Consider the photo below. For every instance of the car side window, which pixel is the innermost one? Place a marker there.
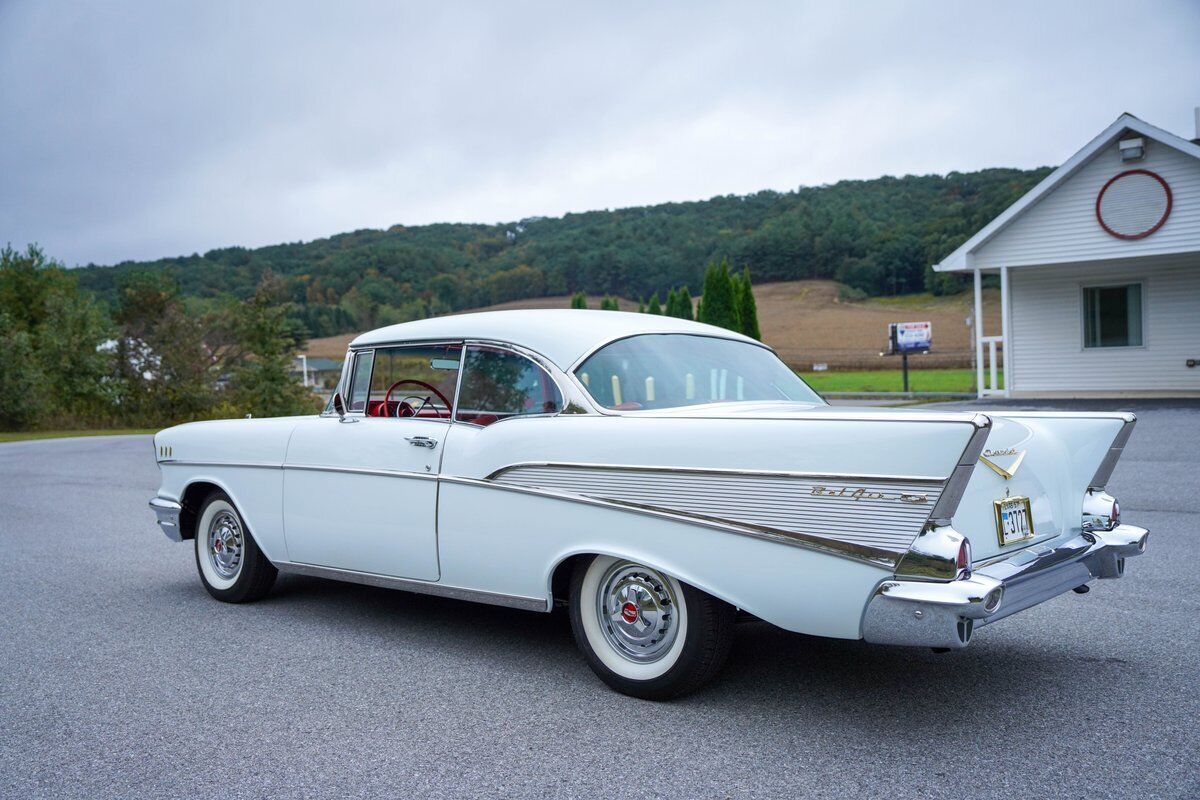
(414, 381)
(499, 384)
(360, 380)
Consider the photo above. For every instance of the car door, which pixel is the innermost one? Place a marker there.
(360, 491)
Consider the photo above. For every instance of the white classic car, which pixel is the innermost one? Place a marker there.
(655, 475)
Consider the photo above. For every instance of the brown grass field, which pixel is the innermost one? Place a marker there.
(807, 324)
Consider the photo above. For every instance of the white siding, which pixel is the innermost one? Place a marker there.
(1047, 353)
(1062, 226)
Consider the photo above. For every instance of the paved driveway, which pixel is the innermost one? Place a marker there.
(120, 677)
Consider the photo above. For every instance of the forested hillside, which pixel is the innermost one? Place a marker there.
(878, 236)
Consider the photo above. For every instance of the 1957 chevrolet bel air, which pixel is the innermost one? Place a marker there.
(655, 475)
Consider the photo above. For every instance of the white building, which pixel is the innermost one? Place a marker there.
(1099, 270)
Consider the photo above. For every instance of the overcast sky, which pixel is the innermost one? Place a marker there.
(135, 131)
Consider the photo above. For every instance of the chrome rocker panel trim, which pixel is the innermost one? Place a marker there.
(419, 587)
(167, 513)
(943, 615)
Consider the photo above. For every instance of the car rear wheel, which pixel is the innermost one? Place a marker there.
(644, 633)
(231, 566)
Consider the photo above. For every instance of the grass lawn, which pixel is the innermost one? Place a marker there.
(20, 436)
(919, 380)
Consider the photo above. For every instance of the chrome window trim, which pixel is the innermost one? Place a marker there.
(551, 371)
(884, 559)
(575, 400)
(419, 587)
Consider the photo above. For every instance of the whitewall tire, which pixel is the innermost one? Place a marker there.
(231, 566)
(643, 632)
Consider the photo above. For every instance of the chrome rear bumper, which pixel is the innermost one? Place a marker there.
(167, 513)
(943, 614)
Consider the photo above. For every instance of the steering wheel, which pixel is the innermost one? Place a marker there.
(425, 400)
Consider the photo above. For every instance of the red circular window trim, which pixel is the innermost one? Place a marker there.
(1153, 228)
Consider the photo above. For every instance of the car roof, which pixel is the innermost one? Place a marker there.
(561, 335)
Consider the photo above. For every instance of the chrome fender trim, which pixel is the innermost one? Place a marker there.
(167, 514)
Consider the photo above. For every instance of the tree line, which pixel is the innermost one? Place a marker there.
(728, 301)
(878, 237)
(149, 358)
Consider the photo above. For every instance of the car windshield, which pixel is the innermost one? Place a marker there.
(669, 370)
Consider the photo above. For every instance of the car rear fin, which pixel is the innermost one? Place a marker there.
(956, 484)
(1105, 470)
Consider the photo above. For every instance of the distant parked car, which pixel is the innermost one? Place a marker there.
(655, 475)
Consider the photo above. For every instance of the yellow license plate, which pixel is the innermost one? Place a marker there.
(1014, 520)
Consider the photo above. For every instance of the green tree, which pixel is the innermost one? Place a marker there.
(654, 307)
(168, 358)
(52, 338)
(262, 382)
(609, 304)
(579, 300)
(747, 308)
(685, 304)
(719, 302)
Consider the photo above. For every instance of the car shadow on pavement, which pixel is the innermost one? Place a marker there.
(776, 672)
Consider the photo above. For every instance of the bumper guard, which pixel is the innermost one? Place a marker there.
(943, 614)
(167, 512)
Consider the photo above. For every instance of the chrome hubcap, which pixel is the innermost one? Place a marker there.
(225, 544)
(637, 611)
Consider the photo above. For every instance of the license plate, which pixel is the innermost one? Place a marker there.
(1014, 520)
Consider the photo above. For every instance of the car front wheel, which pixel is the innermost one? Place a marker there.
(231, 566)
(644, 633)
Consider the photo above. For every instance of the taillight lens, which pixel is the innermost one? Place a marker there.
(963, 560)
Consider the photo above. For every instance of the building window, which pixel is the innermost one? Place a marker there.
(1112, 316)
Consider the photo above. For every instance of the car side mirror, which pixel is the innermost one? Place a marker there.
(339, 405)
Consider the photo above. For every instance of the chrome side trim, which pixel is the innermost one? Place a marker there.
(167, 514)
(387, 473)
(240, 464)
(853, 552)
(880, 515)
(1105, 470)
(956, 485)
(419, 587)
(714, 471)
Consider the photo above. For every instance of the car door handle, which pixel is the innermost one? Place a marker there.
(421, 441)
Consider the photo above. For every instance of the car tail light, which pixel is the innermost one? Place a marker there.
(1101, 511)
(962, 562)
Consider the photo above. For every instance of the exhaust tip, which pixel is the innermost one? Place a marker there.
(992, 601)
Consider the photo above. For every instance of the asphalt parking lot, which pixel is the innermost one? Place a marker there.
(120, 677)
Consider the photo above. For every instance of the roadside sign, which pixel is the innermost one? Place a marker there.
(820, 367)
(905, 338)
(909, 337)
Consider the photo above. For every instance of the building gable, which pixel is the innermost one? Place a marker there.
(1063, 226)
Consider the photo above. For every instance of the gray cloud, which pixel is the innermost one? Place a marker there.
(154, 129)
